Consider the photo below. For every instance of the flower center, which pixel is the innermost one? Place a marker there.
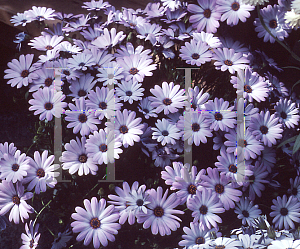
(110, 76)
(242, 143)
(40, 173)
(284, 211)
(48, 82)
(139, 202)
(235, 6)
(252, 178)
(207, 13)
(165, 133)
(16, 199)
(218, 116)
(245, 213)
(273, 24)
(192, 189)
(203, 209)
(219, 188)
(199, 240)
(102, 105)
(31, 243)
(103, 147)
(66, 72)
(195, 127)
(195, 56)
(146, 110)
(220, 247)
(15, 167)
(95, 223)
(264, 129)
(232, 168)
(283, 115)
(167, 101)
(81, 93)
(48, 106)
(128, 93)
(247, 89)
(158, 211)
(82, 158)
(48, 47)
(228, 63)
(25, 73)
(82, 118)
(81, 64)
(133, 71)
(123, 129)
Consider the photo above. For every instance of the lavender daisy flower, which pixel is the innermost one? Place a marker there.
(154, 10)
(95, 5)
(82, 86)
(7, 149)
(167, 98)
(110, 73)
(284, 244)
(131, 20)
(30, 240)
(205, 205)
(294, 190)
(76, 158)
(246, 211)
(100, 145)
(163, 156)
(46, 77)
(129, 49)
(226, 243)
(207, 15)
(81, 118)
(14, 199)
(228, 42)
(234, 10)
(268, 158)
(160, 215)
(67, 73)
(68, 48)
(81, 61)
(219, 140)
(165, 132)
(169, 173)
(108, 39)
(146, 108)
(197, 98)
(287, 113)
(266, 128)
(211, 40)
(20, 19)
(97, 222)
(250, 241)
(46, 102)
(46, 42)
(149, 32)
(21, 72)
(173, 16)
(171, 4)
(80, 23)
(61, 240)
(40, 13)
(285, 212)
(130, 91)
(277, 87)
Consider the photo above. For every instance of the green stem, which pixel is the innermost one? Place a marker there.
(30, 148)
(41, 211)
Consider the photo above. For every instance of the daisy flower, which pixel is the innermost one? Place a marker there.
(294, 190)
(101, 57)
(167, 98)
(110, 73)
(173, 16)
(103, 147)
(30, 240)
(46, 42)
(80, 23)
(285, 212)
(40, 13)
(172, 4)
(61, 240)
(228, 59)
(255, 2)
(81, 61)
(20, 19)
(130, 91)
(131, 20)
(82, 86)
(96, 222)
(7, 149)
(149, 32)
(126, 127)
(206, 15)
(234, 10)
(273, 17)
(95, 5)
(226, 243)
(219, 140)
(195, 52)
(228, 42)
(129, 49)
(250, 241)
(211, 40)
(268, 157)
(266, 128)
(169, 173)
(246, 211)
(163, 156)
(46, 77)
(80, 118)
(76, 158)
(292, 19)
(108, 39)
(284, 244)
(45, 102)
(165, 132)
(146, 108)
(14, 199)
(68, 48)
(160, 215)
(287, 113)
(20, 71)
(197, 98)
(153, 10)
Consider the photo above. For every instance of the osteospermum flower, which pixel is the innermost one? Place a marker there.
(30, 240)
(255, 2)
(285, 244)
(209, 38)
(82, 86)
(167, 98)
(130, 91)
(195, 52)
(96, 5)
(226, 243)
(47, 103)
(285, 212)
(110, 73)
(165, 132)
(76, 159)
(96, 222)
(61, 240)
(146, 108)
(7, 149)
(246, 211)
(14, 199)
(40, 13)
(292, 19)
(20, 71)
(81, 61)
(46, 77)
(46, 42)
(160, 215)
(108, 39)
(287, 113)
(20, 19)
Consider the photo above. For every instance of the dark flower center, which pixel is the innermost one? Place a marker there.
(102, 105)
(247, 89)
(219, 188)
(16, 199)
(128, 93)
(110, 76)
(81, 64)
(165, 133)
(235, 6)
(66, 72)
(15, 167)
(133, 71)
(132, 24)
(81, 93)
(264, 129)
(123, 129)
(284, 211)
(195, 127)
(203, 209)
(192, 189)
(25, 73)
(48, 47)
(273, 24)
(199, 240)
(103, 147)
(146, 110)
(252, 178)
(232, 168)
(82, 118)
(48, 82)
(139, 202)
(207, 13)
(40, 173)
(218, 116)
(31, 243)
(220, 247)
(283, 115)
(195, 56)
(245, 213)
(48, 106)
(95, 223)
(82, 158)
(242, 143)
(167, 101)
(158, 211)
(228, 63)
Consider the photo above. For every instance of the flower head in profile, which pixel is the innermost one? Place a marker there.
(108, 39)
(46, 42)
(20, 19)
(40, 13)
(95, 5)
(61, 240)
(31, 238)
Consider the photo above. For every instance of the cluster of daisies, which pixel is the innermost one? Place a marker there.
(95, 80)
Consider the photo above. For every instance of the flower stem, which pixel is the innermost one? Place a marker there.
(41, 212)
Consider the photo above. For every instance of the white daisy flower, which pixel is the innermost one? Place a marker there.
(287, 113)
(287, 243)
(146, 108)
(130, 91)
(30, 240)
(82, 86)
(165, 132)
(81, 61)
(246, 211)
(108, 39)
(20, 19)
(46, 42)
(292, 19)
(40, 13)
(110, 73)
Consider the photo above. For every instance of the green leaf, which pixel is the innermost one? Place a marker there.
(292, 139)
(296, 145)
